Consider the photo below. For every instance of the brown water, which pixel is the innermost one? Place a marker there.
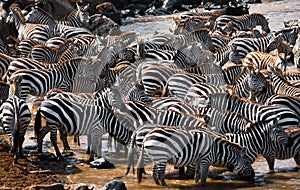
(285, 176)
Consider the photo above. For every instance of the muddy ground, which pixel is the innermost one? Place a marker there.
(33, 172)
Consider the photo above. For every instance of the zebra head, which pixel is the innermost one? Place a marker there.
(278, 135)
(83, 14)
(234, 55)
(274, 43)
(243, 167)
(256, 81)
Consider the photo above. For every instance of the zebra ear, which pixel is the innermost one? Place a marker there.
(85, 8)
(78, 7)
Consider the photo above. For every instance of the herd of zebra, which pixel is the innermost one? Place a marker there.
(215, 92)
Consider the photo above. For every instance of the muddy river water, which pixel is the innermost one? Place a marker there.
(286, 176)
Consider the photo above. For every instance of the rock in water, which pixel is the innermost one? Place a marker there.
(114, 185)
(101, 163)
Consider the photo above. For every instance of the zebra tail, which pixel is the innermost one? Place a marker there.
(37, 123)
(140, 166)
(130, 159)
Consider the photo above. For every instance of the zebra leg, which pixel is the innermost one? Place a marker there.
(15, 148)
(181, 172)
(99, 146)
(271, 163)
(64, 139)
(204, 167)
(76, 139)
(94, 147)
(197, 173)
(190, 171)
(53, 138)
(154, 173)
(161, 172)
(40, 136)
(88, 149)
(21, 141)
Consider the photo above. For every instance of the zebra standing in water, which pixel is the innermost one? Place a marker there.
(183, 147)
(15, 117)
(79, 119)
(262, 138)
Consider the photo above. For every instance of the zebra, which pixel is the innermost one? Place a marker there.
(290, 150)
(179, 83)
(183, 147)
(226, 121)
(281, 85)
(163, 103)
(4, 91)
(38, 82)
(291, 102)
(38, 32)
(202, 36)
(254, 112)
(200, 91)
(5, 61)
(15, 117)
(219, 41)
(296, 52)
(262, 138)
(79, 119)
(154, 79)
(103, 98)
(244, 22)
(45, 54)
(262, 44)
(225, 54)
(79, 17)
(250, 84)
(262, 60)
(137, 138)
(64, 29)
(25, 45)
(2, 46)
(230, 73)
(55, 42)
(141, 113)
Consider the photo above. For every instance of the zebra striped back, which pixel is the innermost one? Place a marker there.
(254, 112)
(226, 121)
(243, 22)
